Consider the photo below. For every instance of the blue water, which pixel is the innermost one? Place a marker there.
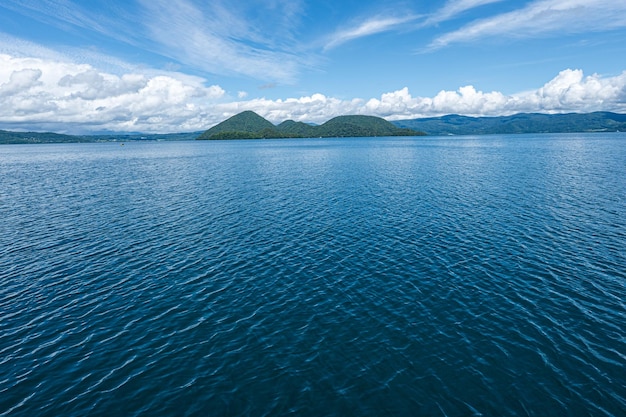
(349, 277)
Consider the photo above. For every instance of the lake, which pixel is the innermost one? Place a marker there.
(429, 276)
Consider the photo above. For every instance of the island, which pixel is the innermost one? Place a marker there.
(249, 125)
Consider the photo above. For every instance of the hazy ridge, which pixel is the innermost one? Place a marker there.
(518, 123)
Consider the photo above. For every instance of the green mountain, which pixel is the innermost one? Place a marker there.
(249, 125)
(244, 125)
(518, 123)
(362, 126)
(297, 129)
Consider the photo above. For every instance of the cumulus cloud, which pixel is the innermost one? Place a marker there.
(20, 80)
(316, 108)
(66, 96)
(572, 91)
(569, 91)
(45, 94)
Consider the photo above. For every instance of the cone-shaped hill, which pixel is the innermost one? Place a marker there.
(249, 125)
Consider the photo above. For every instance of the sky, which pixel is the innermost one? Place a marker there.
(163, 66)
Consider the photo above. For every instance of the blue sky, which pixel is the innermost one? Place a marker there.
(185, 65)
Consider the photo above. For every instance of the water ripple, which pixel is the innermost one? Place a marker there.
(434, 276)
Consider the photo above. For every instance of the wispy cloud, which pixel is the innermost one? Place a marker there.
(386, 23)
(369, 27)
(245, 39)
(74, 16)
(453, 8)
(541, 18)
(21, 48)
(221, 39)
(206, 41)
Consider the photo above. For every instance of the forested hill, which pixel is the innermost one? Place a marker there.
(518, 123)
(249, 125)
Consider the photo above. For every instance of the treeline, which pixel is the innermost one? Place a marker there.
(7, 137)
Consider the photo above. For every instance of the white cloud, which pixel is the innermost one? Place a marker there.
(382, 23)
(366, 28)
(219, 37)
(78, 16)
(542, 17)
(215, 40)
(572, 91)
(65, 96)
(21, 80)
(47, 94)
(455, 7)
(316, 108)
(569, 91)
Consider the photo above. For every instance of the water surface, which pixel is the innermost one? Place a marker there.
(367, 277)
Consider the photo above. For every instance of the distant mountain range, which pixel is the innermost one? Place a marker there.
(250, 125)
(518, 123)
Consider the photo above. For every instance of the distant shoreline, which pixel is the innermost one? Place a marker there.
(450, 125)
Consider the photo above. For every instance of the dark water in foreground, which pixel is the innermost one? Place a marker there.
(353, 277)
